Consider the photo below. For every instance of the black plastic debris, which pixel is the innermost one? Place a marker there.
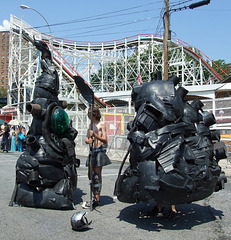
(46, 174)
(173, 154)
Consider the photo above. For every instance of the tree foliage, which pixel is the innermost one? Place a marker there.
(220, 66)
(113, 74)
(126, 67)
(3, 92)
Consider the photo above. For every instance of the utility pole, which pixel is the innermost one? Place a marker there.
(166, 28)
(166, 33)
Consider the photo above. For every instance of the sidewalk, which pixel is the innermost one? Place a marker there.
(118, 156)
(226, 167)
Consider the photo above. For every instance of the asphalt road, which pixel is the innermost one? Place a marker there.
(206, 219)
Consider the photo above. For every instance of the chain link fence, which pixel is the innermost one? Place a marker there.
(117, 118)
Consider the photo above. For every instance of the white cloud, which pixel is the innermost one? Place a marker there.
(5, 25)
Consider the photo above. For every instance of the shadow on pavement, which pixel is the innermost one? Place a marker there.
(105, 200)
(78, 193)
(189, 215)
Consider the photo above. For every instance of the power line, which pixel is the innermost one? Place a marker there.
(115, 25)
(113, 33)
(158, 27)
(104, 15)
(108, 15)
(179, 3)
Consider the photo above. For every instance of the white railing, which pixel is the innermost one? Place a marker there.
(116, 120)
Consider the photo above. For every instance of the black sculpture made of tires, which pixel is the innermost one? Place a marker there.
(173, 153)
(46, 174)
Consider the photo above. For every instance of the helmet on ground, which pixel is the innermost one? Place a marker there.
(79, 221)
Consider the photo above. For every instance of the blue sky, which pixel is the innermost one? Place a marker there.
(208, 28)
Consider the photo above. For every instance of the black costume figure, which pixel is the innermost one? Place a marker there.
(173, 153)
(46, 173)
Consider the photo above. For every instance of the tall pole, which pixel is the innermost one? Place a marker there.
(166, 28)
(166, 33)
(27, 7)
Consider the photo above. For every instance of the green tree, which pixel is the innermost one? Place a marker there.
(107, 71)
(129, 68)
(219, 66)
(3, 94)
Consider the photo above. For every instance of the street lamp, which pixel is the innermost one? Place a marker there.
(166, 28)
(27, 7)
(199, 4)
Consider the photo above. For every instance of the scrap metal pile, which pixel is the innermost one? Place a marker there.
(173, 153)
(46, 173)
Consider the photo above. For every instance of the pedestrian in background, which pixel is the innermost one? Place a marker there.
(20, 138)
(5, 138)
(13, 139)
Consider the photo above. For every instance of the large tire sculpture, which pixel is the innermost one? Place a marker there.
(173, 153)
(46, 175)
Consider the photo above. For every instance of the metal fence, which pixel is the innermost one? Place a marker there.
(116, 120)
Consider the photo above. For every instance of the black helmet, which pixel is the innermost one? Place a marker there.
(79, 221)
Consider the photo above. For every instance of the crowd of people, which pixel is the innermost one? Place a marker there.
(12, 138)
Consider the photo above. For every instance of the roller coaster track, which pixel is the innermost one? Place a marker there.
(188, 49)
(67, 70)
(70, 77)
(88, 59)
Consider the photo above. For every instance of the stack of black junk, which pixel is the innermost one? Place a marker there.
(46, 175)
(173, 153)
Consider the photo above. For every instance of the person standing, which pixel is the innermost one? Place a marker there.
(13, 139)
(5, 138)
(20, 139)
(96, 138)
(158, 210)
(1, 133)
